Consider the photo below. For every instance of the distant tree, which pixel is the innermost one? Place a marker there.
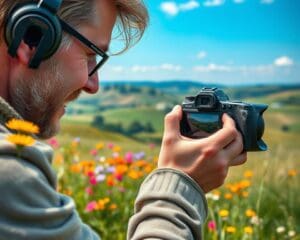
(285, 128)
(98, 121)
(135, 127)
(149, 128)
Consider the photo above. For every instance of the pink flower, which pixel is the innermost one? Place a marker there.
(212, 225)
(129, 157)
(110, 145)
(91, 206)
(53, 142)
(89, 191)
(94, 152)
(93, 180)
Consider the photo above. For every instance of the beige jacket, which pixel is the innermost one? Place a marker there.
(170, 205)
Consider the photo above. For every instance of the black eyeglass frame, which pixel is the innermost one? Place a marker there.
(69, 29)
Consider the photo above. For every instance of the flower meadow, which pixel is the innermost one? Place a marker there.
(105, 182)
(259, 200)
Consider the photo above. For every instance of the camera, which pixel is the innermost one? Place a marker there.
(202, 115)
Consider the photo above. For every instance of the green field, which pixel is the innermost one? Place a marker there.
(271, 194)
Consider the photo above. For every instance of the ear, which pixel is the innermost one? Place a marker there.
(25, 53)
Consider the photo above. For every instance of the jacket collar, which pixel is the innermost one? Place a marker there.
(7, 112)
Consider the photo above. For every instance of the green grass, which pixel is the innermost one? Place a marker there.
(273, 195)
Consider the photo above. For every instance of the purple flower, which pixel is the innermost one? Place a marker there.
(99, 169)
(111, 169)
(139, 155)
(100, 177)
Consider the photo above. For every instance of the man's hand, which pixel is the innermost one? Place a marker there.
(206, 160)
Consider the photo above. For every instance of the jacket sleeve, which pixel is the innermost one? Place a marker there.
(32, 209)
(170, 205)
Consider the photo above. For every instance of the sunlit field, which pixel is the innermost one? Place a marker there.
(259, 200)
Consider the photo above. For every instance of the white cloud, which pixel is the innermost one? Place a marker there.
(172, 8)
(283, 61)
(238, 1)
(201, 55)
(212, 68)
(170, 67)
(213, 3)
(190, 5)
(266, 1)
(163, 67)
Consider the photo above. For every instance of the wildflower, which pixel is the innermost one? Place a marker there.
(99, 169)
(116, 149)
(248, 174)
(228, 196)
(113, 206)
(223, 213)
(102, 203)
(22, 126)
(93, 180)
(248, 230)
(250, 213)
(53, 142)
(214, 197)
(139, 155)
(212, 225)
(230, 229)
(89, 190)
(91, 206)
(280, 229)
(110, 145)
(129, 157)
(110, 181)
(20, 140)
(99, 146)
(291, 233)
(133, 174)
(292, 172)
(94, 152)
(245, 194)
(255, 220)
(100, 177)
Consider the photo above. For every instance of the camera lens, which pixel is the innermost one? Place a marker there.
(260, 127)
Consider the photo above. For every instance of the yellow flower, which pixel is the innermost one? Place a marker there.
(292, 172)
(113, 206)
(230, 229)
(248, 174)
(99, 145)
(250, 213)
(116, 149)
(224, 213)
(228, 196)
(20, 140)
(245, 194)
(22, 126)
(248, 230)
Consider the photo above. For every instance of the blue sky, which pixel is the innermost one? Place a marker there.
(215, 41)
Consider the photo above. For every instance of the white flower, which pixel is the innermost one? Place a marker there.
(280, 229)
(292, 233)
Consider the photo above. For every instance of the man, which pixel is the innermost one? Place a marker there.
(171, 202)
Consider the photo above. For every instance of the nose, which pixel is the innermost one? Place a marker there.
(92, 85)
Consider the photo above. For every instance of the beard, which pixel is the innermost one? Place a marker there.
(40, 99)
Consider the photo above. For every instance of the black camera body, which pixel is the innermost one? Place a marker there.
(203, 113)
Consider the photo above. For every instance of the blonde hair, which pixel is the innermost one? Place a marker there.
(132, 16)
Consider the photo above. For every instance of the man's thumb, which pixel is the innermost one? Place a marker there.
(172, 120)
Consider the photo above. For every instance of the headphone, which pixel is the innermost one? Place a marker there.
(38, 26)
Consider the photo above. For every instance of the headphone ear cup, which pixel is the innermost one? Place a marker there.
(37, 27)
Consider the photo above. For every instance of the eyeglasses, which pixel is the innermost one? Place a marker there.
(96, 61)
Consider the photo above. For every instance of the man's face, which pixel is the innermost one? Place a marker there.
(41, 95)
